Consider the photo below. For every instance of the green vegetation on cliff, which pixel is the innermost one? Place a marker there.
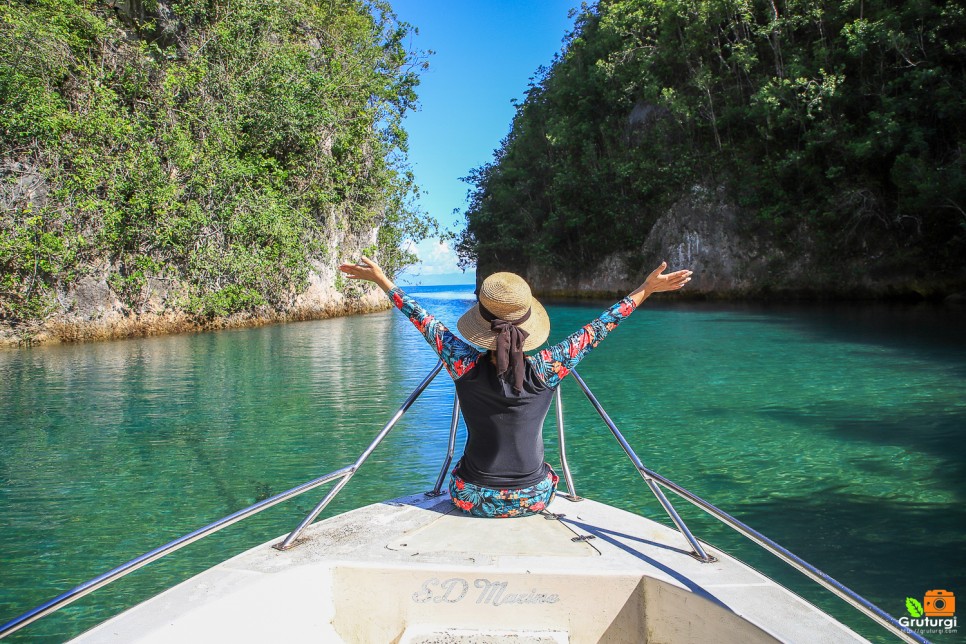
(836, 128)
(221, 146)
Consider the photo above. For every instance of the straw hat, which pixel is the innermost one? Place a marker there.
(507, 296)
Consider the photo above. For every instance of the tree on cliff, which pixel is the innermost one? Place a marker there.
(836, 128)
(220, 146)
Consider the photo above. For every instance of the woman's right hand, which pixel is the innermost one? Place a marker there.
(369, 271)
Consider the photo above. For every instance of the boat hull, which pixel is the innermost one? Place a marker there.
(416, 570)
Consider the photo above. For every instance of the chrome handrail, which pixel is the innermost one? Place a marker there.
(287, 542)
(450, 448)
(572, 491)
(113, 575)
(110, 576)
(696, 550)
(866, 607)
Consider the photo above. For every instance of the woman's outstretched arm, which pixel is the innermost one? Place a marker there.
(554, 363)
(458, 356)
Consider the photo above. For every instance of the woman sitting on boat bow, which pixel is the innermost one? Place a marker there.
(505, 395)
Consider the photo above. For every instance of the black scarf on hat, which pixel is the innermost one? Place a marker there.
(509, 346)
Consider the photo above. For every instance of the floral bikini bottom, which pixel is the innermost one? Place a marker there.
(480, 501)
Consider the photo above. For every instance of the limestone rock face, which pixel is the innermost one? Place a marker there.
(702, 231)
(698, 232)
(90, 298)
(89, 309)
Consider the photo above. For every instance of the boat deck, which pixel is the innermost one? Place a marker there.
(415, 570)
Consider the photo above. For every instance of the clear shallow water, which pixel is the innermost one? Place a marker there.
(837, 431)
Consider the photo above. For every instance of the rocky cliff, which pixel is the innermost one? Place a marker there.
(89, 309)
(703, 232)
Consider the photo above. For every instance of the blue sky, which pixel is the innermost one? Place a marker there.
(486, 52)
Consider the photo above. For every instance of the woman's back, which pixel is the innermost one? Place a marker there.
(504, 445)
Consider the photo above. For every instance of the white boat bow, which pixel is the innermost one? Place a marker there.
(415, 569)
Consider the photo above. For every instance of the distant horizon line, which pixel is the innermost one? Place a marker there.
(468, 284)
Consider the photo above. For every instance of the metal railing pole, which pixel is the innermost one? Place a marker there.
(838, 589)
(845, 593)
(572, 496)
(675, 517)
(110, 576)
(287, 542)
(451, 447)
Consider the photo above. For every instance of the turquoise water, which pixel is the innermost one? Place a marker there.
(837, 431)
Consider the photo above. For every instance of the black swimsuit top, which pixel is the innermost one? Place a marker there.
(504, 445)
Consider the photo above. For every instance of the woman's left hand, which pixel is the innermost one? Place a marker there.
(657, 282)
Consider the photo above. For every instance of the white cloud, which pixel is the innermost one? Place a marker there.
(435, 258)
(436, 265)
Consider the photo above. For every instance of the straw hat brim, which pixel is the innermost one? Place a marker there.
(476, 330)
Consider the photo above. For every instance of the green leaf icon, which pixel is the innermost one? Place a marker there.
(914, 607)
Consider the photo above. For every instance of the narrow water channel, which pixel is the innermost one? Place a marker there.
(836, 430)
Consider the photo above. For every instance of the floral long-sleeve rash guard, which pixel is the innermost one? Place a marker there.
(504, 441)
(551, 365)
